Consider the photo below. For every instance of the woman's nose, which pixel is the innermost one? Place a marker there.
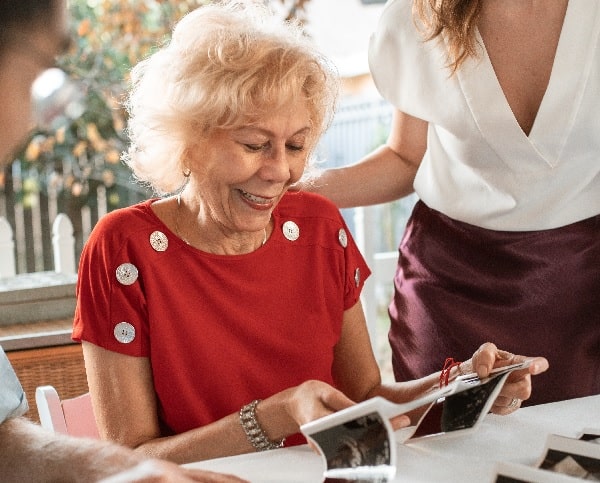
(276, 166)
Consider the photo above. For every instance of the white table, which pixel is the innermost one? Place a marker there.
(518, 438)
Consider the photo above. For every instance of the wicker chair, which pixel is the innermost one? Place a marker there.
(61, 367)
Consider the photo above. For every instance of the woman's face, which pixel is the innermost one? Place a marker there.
(240, 175)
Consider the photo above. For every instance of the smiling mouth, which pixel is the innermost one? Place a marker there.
(255, 199)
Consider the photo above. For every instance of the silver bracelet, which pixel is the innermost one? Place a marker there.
(256, 436)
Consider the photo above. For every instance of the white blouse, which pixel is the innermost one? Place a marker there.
(480, 167)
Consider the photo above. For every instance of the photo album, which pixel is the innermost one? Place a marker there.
(564, 460)
(359, 443)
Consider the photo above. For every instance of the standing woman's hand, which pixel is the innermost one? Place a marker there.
(518, 385)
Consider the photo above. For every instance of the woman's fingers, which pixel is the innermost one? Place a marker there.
(538, 365)
(399, 422)
(313, 400)
(485, 357)
(488, 357)
(518, 386)
(506, 405)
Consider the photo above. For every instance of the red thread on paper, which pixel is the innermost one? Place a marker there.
(445, 374)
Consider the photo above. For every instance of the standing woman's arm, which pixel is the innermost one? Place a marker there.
(386, 174)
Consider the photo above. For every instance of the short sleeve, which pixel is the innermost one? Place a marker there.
(408, 72)
(341, 267)
(111, 303)
(13, 402)
(357, 270)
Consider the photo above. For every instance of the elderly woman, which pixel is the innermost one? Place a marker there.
(217, 320)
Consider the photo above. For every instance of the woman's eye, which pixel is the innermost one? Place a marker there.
(255, 147)
(260, 147)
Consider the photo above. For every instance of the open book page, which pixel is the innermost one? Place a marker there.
(358, 443)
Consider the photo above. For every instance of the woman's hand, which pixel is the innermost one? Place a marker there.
(302, 404)
(315, 399)
(517, 387)
(283, 413)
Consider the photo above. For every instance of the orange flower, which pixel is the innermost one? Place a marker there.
(33, 150)
(79, 149)
(84, 27)
(112, 156)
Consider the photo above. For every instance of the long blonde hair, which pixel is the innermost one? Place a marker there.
(455, 21)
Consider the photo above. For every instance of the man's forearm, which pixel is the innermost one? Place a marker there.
(31, 453)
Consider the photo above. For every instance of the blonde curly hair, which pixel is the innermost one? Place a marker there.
(226, 65)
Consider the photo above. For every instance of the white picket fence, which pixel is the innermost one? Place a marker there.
(63, 246)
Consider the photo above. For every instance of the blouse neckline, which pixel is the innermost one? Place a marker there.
(558, 109)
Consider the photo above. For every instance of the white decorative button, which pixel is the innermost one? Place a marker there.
(357, 277)
(159, 241)
(291, 231)
(127, 273)
(343, 237)
(124, 332)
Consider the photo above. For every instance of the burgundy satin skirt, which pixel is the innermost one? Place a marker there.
(532, 293)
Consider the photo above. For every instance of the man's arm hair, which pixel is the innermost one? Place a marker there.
(29, 452)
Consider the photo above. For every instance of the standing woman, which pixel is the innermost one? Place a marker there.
(497, 129)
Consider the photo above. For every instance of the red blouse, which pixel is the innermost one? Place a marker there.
(220, 331)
